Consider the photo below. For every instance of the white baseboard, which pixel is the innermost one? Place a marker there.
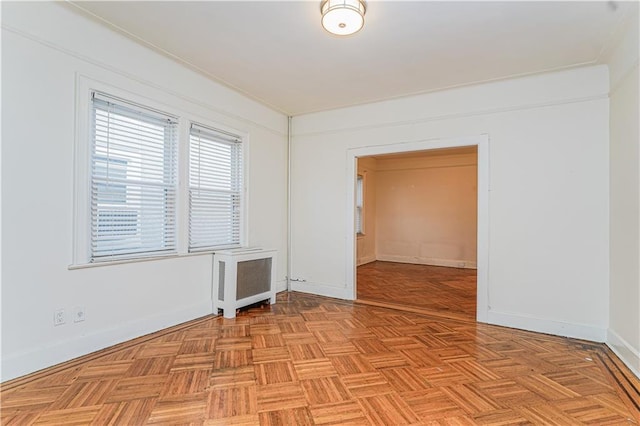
(367, 259)
(20, 364)
(542, 325)
(627, 353)
(322, 290)
(451, 263)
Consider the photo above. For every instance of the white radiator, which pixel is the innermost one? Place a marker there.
(242, 277)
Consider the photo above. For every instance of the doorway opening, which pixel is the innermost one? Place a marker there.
(416, 227)
(421, 216)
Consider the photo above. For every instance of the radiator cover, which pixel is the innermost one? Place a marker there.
(243, 277)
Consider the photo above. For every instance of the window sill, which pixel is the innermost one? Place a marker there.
(137, 260)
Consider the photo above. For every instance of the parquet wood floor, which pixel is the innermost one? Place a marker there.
(449, 292)
(311, 360)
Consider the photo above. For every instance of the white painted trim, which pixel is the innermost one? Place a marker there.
(182, 195)
(542, 325)
(482, 249)
(416, 260)
(629, 355)
(245, 204)
(622, 57)
(137, 260)
(16, 365)
(81, 173)
(621, 79)
(482, 142)
(321, 290)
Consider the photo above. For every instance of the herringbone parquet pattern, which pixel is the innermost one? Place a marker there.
(312, 360)
(449, 292)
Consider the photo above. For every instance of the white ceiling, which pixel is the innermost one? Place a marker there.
(277, 52)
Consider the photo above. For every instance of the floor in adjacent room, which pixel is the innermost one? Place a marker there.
(313, 360)
(437, 290)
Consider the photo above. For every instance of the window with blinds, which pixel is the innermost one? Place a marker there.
(359, 204)
(133, 180)
(215, 189)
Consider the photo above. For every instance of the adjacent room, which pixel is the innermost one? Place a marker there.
(320, 212)
(416, 227)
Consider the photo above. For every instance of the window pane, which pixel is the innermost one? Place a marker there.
(215, 189)
(133, 189)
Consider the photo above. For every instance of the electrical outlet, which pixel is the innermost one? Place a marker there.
(59, 317)
(78, 314)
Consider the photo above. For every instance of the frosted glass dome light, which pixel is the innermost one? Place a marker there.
(343, 17)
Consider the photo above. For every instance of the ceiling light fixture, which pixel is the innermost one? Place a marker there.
(343, 17)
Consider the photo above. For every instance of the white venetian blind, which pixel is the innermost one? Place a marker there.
(215, 188)
(133, 180)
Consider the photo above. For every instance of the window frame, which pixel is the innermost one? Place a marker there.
(153, 158)
(360, 205)
(186, 111)
(240, 191)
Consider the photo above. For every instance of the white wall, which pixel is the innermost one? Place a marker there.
(426, 209)
(366, 243)
(548, 201)
(624, 321)
(45, 48)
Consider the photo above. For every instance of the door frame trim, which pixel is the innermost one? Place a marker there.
(482, 142)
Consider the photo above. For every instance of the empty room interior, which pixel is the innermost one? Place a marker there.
(320, 212)
(416, 227)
